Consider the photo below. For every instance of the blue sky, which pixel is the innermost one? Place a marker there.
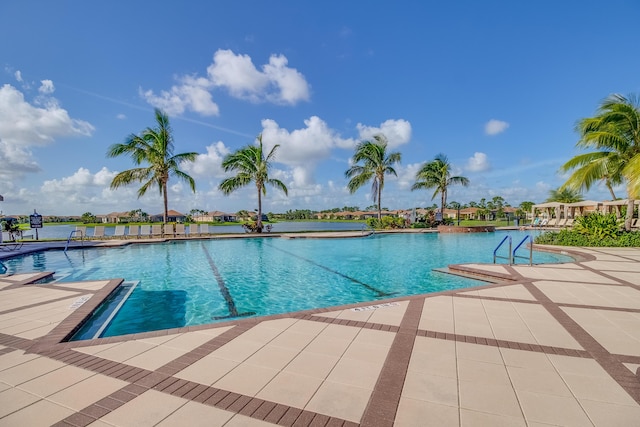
(497, 86)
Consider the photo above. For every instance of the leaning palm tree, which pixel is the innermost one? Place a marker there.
(375, 164)
(153, 146)
(252, 166)
(437, 174)
(615, 135)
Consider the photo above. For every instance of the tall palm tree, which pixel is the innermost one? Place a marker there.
(376, 163)
(252, 166)
(564, 195)
(614, 132)
(153, 146)
(437, 174)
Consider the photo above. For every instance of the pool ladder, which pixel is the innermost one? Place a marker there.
(512, 254)
(71, 236)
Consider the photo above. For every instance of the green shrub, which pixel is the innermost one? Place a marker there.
(598, 225)
(567, 237)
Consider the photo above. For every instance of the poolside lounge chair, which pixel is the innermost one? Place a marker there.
(145, 230)
(204, 229)
(561, 222)
(156, 230)
(98, 232)
(569, 222)
(133, 231)
(180, 231)
(81, 232)
(119, 232)
(193, 230)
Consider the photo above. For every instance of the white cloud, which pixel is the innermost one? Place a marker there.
(398, 132)
(276, 82)
(121, 116)
(18, 75)
(24, 125)
(191, 93)
(46, 87)
(494, 127)
(208, 164)
(478, 163)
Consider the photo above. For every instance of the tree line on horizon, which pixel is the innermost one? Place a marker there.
(613, 134)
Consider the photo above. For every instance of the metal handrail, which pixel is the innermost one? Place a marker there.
(367, 227)
(495, 255)
(514, 256)
(71, 235)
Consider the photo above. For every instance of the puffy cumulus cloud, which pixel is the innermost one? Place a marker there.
(209, 163)
(478, 163)
(407, 175)
(46, 87)
(276, 82)
(494, 127)
(80, 180)
(398, 132)
(18, 75)
(24, 125)
(191, 93)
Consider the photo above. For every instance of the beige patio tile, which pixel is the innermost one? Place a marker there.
(95, 350)
(559, 274)
(633, 367)
(372, 336)
(38, 332)
(195, 414)
(552, 409)
(434, 357)
(14, 358)
(602, 389)
(29, 370)
(55, 381)
(340, 400)
(366, 352)
(155, 357)
(307, 327)
(41, 413)
(328, 346)
(481, 419)
(488, 373)
(290, 389)
(611, 415)
(437, 314)
(356, 373)
(238, 350)
(489, 398)
(272, 357)
(389, 315)
(509, 292)
(413, 413)
(312, 364)
(340, 332)
(207, 370)
(243, 421)
(292, 340)
(188, 341)
(589, 294)
(481, 353)
(86, 392)
(246, 379)
(148, 409)
(14, 399)
(537, 381)
(431, 388)
(125, 351)
(527, 359)
(617, 332)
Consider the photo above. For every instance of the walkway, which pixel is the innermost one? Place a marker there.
(548, 345)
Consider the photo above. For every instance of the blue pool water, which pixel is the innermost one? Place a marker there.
(195, 282)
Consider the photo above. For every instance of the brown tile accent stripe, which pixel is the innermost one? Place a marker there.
(383, 404)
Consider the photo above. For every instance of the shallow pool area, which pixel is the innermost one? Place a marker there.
(194, 282)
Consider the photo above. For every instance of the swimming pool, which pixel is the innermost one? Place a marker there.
(183, 283)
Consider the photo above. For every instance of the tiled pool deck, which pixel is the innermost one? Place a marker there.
(552, 345)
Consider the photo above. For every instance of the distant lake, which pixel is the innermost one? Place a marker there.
(63, 231)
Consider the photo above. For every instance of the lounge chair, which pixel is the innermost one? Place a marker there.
(81, 232)
(145, 230)
(204, 229)
(569, 222)
(561, 222)
(193, 230)
(118, 232)
(133, 231)
(180, 231)
(98, 232)
(543, 223)
(156, 230)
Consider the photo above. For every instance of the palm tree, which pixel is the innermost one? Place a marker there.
(564, 195)
(252, 166)
(437, 174)
(376, 163)
(155, 147)
(615, 135)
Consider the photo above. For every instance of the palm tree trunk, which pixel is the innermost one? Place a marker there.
(443, 201)
(259, 219)
(379, 205)
(166, 203)
(629, 217)
(613, 195)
